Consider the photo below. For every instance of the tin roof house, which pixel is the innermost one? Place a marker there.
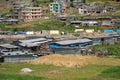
(89, 23)
(32, 44)
(69, 46)
(102, 20)
(8, 47)
(2, 19)
(105, 21)
(84, 23)
(17, 56)
(12, 53)
(62, 17)
(116, 35)
(115, 21)
(100, 39)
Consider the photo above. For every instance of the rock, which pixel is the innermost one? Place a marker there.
(26, 70)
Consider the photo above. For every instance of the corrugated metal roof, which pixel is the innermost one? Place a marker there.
(66, 42)
(12, 20)
(89, 22)
(82, 22)
(8, 46)
(28, 44)
(41, 42)
(33, 40)
(76, 21)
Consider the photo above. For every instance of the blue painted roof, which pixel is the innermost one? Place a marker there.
(20, 32)
(118, 30)
(108, 31)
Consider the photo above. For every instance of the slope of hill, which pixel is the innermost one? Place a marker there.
(4, 6)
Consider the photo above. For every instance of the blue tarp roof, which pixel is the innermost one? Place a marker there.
(20, 32)
(67, 42)
(108, 31)
(118, 30)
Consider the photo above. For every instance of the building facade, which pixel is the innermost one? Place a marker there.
(55, 7)
(30, 13)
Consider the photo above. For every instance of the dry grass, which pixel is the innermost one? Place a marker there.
(106, 61)
(64, 60)
(75, 60)
(116, 13)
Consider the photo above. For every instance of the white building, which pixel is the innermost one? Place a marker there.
(82, 11)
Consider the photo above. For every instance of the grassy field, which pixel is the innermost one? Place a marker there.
(99, 69)
(113, 49)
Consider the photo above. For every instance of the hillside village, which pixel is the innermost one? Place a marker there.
(50, 41)
(59, 39)
(47, 41)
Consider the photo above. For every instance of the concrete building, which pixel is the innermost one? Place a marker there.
(25, 13)
(29, 13)
(94, 9)
(55, 7)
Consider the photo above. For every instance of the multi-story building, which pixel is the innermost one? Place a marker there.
(15, 13)
(29, 13)
(55, 7)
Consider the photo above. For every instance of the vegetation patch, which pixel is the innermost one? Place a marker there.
(90, 71)
(113, 72)
(113, 49)
(18, 77)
